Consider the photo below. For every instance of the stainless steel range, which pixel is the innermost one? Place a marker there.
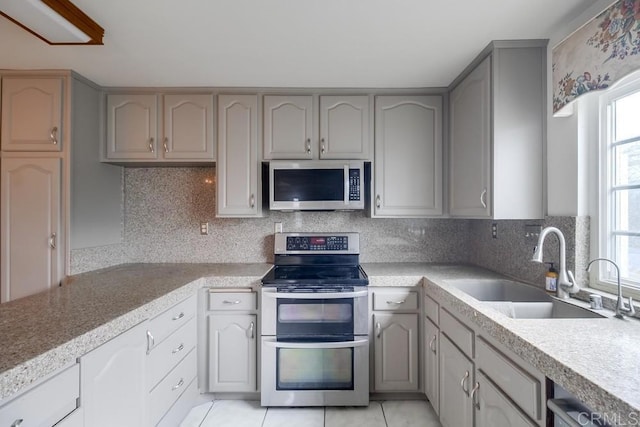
(315, 345)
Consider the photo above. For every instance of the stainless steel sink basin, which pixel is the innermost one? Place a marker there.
(499, 290)
(519, 300)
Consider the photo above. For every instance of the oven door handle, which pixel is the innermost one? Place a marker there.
(315, 295)
(271, 342)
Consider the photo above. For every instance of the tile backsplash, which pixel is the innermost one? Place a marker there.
(163, 209)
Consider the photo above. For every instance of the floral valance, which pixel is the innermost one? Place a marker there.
(606, 49)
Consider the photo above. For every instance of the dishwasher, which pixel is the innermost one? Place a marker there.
(568, 411)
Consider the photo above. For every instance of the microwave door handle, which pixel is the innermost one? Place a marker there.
(329, 295)
(271, 342)
(346, 185)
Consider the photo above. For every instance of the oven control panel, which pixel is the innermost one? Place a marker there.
(317, 243)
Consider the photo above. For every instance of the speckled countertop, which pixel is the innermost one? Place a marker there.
(50, 330)
(598, 360)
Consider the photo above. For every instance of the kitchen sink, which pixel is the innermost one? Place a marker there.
(499, 290)
(519, 300)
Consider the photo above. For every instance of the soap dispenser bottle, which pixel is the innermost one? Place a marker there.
(551, 279)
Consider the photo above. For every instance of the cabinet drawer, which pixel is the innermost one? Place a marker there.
(163, 325)
(171, 388)
(166, 356)
(457, 332)
(47, 403)
(431, 309)
(232, 300)
(181, 408)
(400, 300)
(516, 383)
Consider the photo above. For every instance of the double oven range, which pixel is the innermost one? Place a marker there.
(315, 345)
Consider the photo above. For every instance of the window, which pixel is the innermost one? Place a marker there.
(620, 185)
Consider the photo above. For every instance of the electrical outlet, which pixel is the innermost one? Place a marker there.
(277, 227)
(494, 230)
(204, 228)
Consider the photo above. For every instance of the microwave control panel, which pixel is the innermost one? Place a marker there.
(354, 184)
(317, 243)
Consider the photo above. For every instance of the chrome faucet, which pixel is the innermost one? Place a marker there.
(566, 281)
(621, 309)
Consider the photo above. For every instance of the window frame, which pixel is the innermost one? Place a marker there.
(606, 279)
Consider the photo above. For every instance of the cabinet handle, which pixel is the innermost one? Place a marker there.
(52, 241)
(17, 422)
(378, 201)
(397, 302)
(482, 198)
(308, 145)
(252, 201)
(151, 144)
(151, 342)
(378, 329)
(431, 347)
(322, 145)
(177, 386)
(231, 302)
(462, 381)
(251, 327)
(178, 349)
(54, 140)
(164, 144)
(473, 394)
(179, 316)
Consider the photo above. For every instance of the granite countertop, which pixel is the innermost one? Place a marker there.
(45, 332)
(598, 360)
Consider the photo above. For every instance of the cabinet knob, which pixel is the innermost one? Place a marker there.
(151, 342)
(322, 145)
(151, 144)
(178, 349)
(179, 316)
(378, 201)
(54, 137)
(483, 196)
(52, 240)
(177, 386)
(378, 329)
(17, 423)
(235, 302)
(431, 347)
(251, 329)
(397, 302)
(164, 144)
(252, 201)
(463, 381)
(308, 145)
(474, 393)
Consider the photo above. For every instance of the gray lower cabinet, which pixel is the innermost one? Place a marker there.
(396, 352)
(456, 380)
(432, 364)
(494, 409)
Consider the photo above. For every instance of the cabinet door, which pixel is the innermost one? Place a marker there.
(494, 409)
(188, 127)
(113, 383)
(432, 365)
(344, 127)
(237, 167)
(132, 127)
(470, 119)
(232, 352)
(408, 156)
(456, 380)
(30, 230)
(288, 127)
(32, 114)
(396, 352)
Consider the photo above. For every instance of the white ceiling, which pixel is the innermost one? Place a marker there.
(287, 43)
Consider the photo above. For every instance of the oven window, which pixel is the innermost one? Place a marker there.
(314, 369)
(314, 317)
(299, 185)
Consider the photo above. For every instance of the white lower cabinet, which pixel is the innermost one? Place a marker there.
(456, 380)
(396, 352)
(113, 381)
(45, 404)
(232, 352)
(494, 409)
(432, 364)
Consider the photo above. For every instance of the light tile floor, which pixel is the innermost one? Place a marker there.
(241, 413)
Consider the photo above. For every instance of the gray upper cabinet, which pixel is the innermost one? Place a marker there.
(32, 113)
(316, 127)
(497, 134)
(135, 132)
(408, 156)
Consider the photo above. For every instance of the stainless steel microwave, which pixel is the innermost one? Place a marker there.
(317, 185)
